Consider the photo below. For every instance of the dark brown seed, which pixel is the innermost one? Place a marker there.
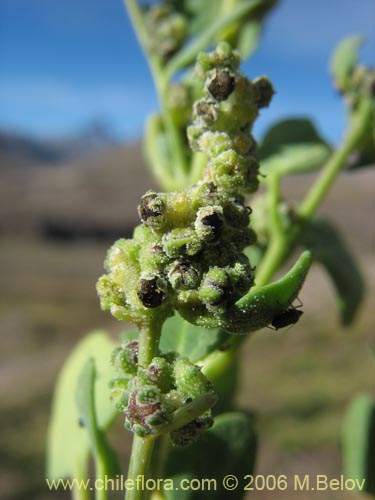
(264, 91)
(151, 208)
(222, 85)
(149, 292)
(214, 222)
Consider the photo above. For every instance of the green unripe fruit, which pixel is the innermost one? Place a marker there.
(119, 394)
(158, 374)
(216, 288)
(189, 379)
(183, 276)
(125, 358)
(181, 242)
(148, 395)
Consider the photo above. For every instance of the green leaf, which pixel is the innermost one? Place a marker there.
(358, 442)
(296, 159)
(243, 34)
(157, 153)
(344, 60)
(105, 458)
(328, 247)
(188, 340)
(229, 447)
(129, 335)
(289, 133)
(247, 33)
(68, 443)
(216, 23)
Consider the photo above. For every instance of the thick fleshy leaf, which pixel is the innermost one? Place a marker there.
(358, 443)
(229, 447)
(344, 60)
(328, 247)
(105, 458)
(188, 340)
(68, 442)
(289, 133)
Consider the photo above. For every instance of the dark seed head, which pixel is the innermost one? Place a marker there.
(222, 85)
(214, 222)
(183, 275)
(204, 110)
(264, 90)
(149, 293)
(151, 209)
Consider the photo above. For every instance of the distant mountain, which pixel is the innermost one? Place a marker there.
(20, 150)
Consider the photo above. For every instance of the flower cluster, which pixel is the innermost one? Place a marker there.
(149, 396)
(167, 29)
(188, 252)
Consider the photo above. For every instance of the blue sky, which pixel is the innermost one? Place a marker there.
(67, 62)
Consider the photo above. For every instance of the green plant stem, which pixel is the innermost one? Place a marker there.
(338, 159)
(149, 336)
(100, 494)
(160, 456)
(161, 80)
(139, 465)
(281, 244)
(142, 448)
(80, 472)
(277, 245)
(190, 411)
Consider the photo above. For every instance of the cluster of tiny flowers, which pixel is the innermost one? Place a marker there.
(167, 29)
(187, 254)
(150, 395)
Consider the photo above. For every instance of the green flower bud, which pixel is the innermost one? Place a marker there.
(189, 379)
(148, 395)
(216, 288)
(157, 374)
(119, 392)
(125, 358)
(183, 275)
(181, 242)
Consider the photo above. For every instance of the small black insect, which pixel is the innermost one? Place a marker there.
(286, 318)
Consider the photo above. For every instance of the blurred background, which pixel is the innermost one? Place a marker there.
(74, 93)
